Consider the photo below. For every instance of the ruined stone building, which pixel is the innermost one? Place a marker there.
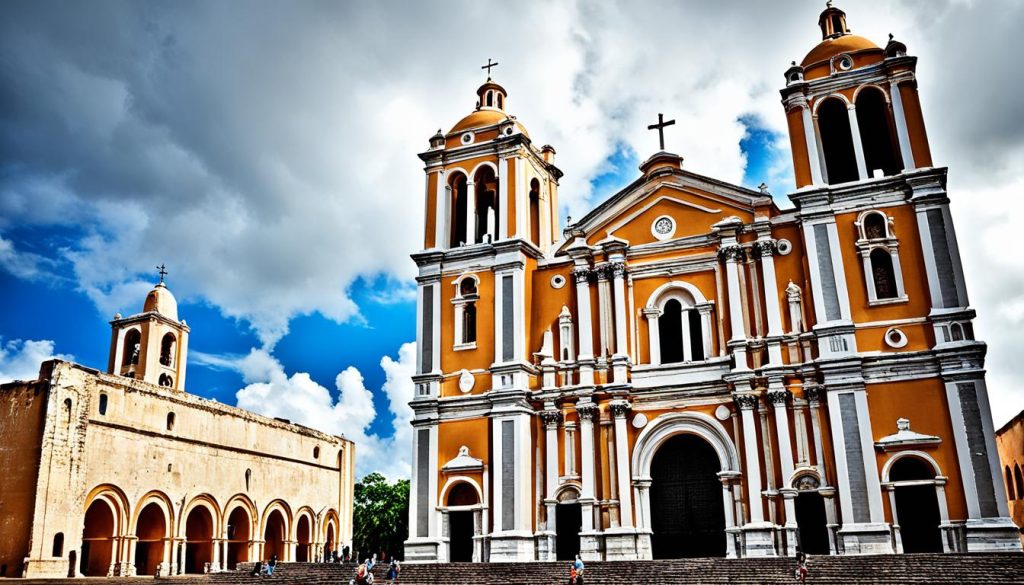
(691, 369)
(124, 473)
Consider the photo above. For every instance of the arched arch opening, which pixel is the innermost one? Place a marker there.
(884, 274)
(457, 185)
(98, 539)
(535, 211)
(687, 495)
(131, 348)
(917, 506)
(330, 544)
(486, 185)
(568, 523)
(837, 141)
(303, 539)
(1010, 488)
(671, 331)
(274, 532)
(152, 530)
(238, 535)
(877, 132)
(1018, 481)
(681, 335)
(461, 530)
(198, 539)
(167, 345)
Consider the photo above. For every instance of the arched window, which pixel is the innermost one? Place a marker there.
(875, 226)
(58, 545)
(1010, 491)
(490, 99)
(957, 332)
(535, 211)
(1018, 481)
(501, 105)
(884, 275)
(486, 186)
(248, 478)
(457, 185)
(103, 403)
(669, 327)
(67, 411)
(166, 380)
(696, 336)
(466, 295)
(837, 141)
(132, 345)
(877, 134)
(167, 350)
(316, 452)
(170, 421)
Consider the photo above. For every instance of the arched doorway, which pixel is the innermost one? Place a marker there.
(917, 506)
(812, 523)
(238, 537)
(273, 536)
(302, 539)
(151, 530)
(461, 498)
(198, 540)
(688, 518)
(97, 540)
(329, 544)
(568, 524)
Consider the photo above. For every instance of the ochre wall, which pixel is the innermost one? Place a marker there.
(22, 416)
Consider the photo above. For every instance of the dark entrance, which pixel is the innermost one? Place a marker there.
(198, 540)
(460, 523)
(568, 523)
(688, 518)
(917, 507)
(812, 526)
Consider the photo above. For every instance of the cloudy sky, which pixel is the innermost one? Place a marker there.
(266, 153)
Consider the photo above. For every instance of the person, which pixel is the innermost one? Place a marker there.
(392, 572)
(363, 575)
(372, 562)
(271, 565)
(579, 566)
(801, 567)
(257, 569)
(572, 574)
(344, 554)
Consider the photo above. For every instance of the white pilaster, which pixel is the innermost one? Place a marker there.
(619, 409)
(747, 403)
(586, 346)
(902, 132)
(739, 338)
(813, 158)
(470, 213)
(858, 146)
(444, 201)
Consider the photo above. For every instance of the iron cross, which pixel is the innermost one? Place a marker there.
(660, 126)
(489, 66)
(162, 271)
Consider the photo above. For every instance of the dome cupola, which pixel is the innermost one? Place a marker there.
(160, 300)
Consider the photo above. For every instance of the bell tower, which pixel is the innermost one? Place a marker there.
(852, 108)
(152, 345)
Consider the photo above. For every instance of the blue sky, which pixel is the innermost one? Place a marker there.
(267, 156)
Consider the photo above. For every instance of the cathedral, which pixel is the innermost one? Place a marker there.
(123, 473)
(690, 370)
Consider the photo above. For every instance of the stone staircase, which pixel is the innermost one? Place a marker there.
(889, 569)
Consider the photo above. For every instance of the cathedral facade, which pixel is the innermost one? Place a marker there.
(123, 473)
(691, 370)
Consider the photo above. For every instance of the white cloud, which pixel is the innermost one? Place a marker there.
(20, 359)
(298, 398)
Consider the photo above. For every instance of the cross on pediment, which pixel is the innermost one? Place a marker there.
(660, 126)
(488, 67)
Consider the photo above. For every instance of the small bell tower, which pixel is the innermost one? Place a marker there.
(152, 345)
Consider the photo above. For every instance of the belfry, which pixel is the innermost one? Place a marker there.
(690, 370)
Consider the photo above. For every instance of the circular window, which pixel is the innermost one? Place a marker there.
(467, 138)
(663, 227)
(784, 247)
(895, 338)
(845, 63)
(557, 281)
(508, 131)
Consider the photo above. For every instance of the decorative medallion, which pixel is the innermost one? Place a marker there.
(895, 338)
(722, 412)
(663, 228)
(640, 420)
(557, 281)
(466, 381)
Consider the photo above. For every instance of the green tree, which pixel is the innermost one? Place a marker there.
(380, 516)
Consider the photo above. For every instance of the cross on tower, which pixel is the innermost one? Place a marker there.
(489, 66)
(660, 126)
(162, 271)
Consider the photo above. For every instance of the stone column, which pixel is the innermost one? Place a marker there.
(642, 489)
(738, 342)
(778, 396)
(858, 146)
(215, 562)
(470, 213)
(550, 416)
(620, 360)
(653, 334)
(619, 409)
(765, 247)
(728, 478)
(586, 348)
(759, 539)
(813, 393)
(130, 555)
(588, 544)
(813, 158)
(902, 133)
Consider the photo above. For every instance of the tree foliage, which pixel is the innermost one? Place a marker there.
(380, 516)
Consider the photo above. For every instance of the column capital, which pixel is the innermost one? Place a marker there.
(581, 274)
(746, 401)
(814, 393)
(778, 397)
(551, 418)
(765, 248)
(617, 269)
(651, 312)
(731, 253)
(586, 411)
(619, 408)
